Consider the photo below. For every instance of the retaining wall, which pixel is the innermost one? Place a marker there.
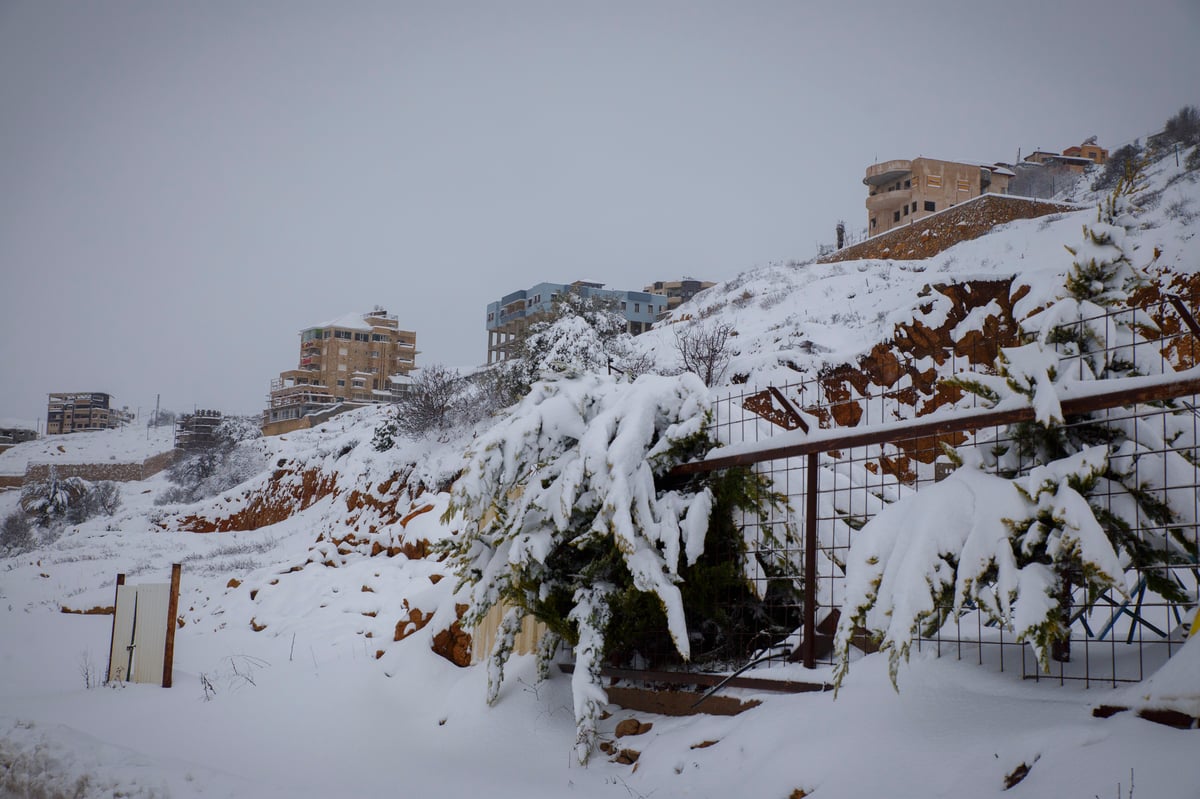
(932, 234)
(117, 472)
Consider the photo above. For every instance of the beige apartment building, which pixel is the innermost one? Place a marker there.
(356, 359)
(902, 191)
(678, 292)
(81, 410)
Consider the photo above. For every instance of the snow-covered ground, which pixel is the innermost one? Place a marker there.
(321, 701)
(130, 444)
(303, 708)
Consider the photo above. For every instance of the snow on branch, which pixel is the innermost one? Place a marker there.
(558, 504)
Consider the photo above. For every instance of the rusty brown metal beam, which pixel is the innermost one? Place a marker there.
(1185, 314)
(793, 415)
(825, 440)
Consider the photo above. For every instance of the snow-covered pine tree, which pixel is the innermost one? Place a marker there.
(1046, 508)
(564, 518)
(583, 334)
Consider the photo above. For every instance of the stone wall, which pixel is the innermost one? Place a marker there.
(930, 235)
(117, 472)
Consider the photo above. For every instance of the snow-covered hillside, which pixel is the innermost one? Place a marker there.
(318, 651)
(129, 444)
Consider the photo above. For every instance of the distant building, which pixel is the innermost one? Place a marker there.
(196, 431)
(901, 191)
(1089, 150)
(78, 411)
(1074, 159)
(509, 317)
(356, 359)
(11, 436)
(678, 291)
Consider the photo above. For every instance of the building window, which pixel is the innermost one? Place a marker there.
(343, 351)
(637, 307)
(896, 216)
(906, 209)
(930, 206)
(873, 223)
(341, 383)
(934, 181)
(908, 184)
(361, 337)
(373, 354)
(341, 367)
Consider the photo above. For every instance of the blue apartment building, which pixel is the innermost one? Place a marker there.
(509, 317)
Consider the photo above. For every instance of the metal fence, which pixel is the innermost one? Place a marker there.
(838, 478)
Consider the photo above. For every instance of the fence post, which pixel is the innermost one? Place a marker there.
(810, 565)
(172, 612)
(113, 633)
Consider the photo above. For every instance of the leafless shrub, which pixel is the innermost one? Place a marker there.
(743, 299)
(704, 350)
(16, 532)
(773, 299)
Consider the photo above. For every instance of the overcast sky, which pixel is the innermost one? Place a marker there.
(184, 186)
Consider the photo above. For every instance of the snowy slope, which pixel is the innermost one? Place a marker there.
(289, 680)
(129, 444)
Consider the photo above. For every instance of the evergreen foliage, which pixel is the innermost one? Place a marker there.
(565, 518)
(582, 334)
(68, 500)
(1053, 512)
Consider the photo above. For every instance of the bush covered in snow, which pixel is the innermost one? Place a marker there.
(441, 400)
(220, 466)
(565, 518)
(71, 500)
(16, 532)
(581, 335)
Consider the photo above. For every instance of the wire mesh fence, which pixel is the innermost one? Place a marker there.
(835, 488)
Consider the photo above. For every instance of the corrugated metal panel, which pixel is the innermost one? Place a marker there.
(120, 656)
(150, 638)
(483, 638)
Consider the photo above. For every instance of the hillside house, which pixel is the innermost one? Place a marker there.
(903, 191)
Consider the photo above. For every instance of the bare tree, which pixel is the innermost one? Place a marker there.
(704, 349)
(431, 403)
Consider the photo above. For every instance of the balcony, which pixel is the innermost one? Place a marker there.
(887, 172)
(888, 200)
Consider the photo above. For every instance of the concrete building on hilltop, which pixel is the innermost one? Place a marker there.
(678, 291)
(509, 317)
(902, 191)
(197, 431)
(74, 412)
(356, 359)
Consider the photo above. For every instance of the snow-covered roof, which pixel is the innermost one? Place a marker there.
(350, 321)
